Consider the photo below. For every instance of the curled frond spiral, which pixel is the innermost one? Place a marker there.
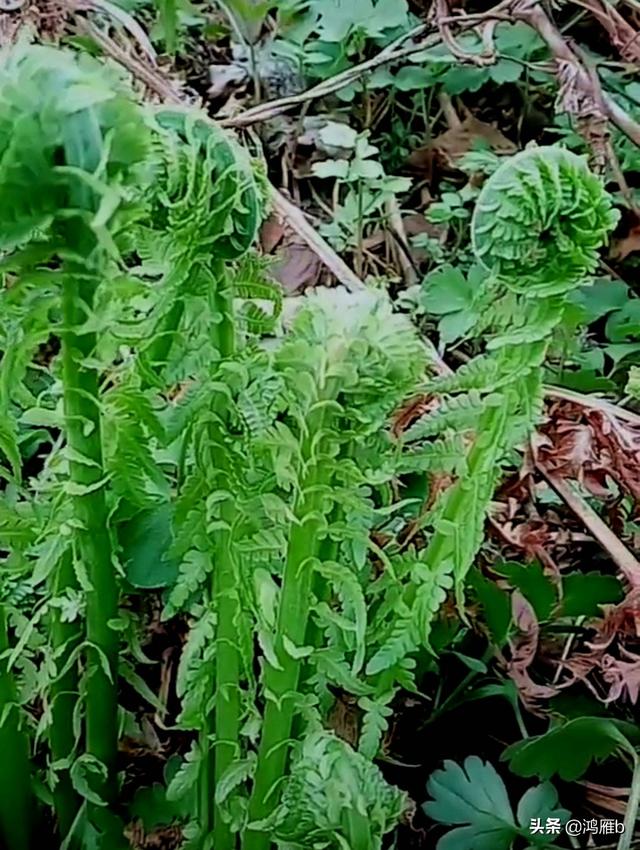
(335, 797)
(69, 133)
(207, 194)
(540, 221)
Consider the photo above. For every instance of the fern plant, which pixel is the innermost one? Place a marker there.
(81, 153)
(267, 460)
(111, 175)
(537, 227)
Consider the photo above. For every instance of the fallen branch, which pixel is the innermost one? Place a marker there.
(624, 559)
(593, 402)
(296, 219)
(532, 13)
(392, 53)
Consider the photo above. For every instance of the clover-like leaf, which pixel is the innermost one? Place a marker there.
(567, 750)
(473, 797)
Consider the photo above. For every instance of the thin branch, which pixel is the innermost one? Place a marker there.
(624, 559)
(154, 81)
(392, 53)
(297, 220)
(593, 402)
(533, 14)
(120, 16)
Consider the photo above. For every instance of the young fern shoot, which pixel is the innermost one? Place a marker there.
(537, 227)
(347, 362)
(64, 168)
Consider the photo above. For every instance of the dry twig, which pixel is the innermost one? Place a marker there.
(624, 559)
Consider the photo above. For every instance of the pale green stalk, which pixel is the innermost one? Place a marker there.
(224, 725)
(65, 638)
(293, 614)
(87, 477)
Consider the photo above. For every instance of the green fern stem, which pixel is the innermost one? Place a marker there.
(459, 525)
(65, 638)
(86, 473)
(81, 396)
(226, 721)
(357, 828)
(156, 355)
(168, 13)
(17, 804)
(281, 685)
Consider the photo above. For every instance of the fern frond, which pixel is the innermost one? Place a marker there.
(540, 220)
(336, 797)
(40, 90)
(455, 414)
(206, 193)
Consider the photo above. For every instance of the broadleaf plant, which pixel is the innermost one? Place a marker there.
(473, 796)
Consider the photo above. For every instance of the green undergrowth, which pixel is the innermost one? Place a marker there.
(185, 438)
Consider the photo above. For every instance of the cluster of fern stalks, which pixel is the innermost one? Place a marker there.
(125, 233)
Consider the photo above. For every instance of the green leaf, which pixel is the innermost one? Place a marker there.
(518, 39)
(505, 71)
(337, 19)
(185, 779)
(86, 771)
(455, 326)
(534, 585)
(584, 593)
(150, 805)
(338, 168)
(446, 290)
(145, 540)
(448, 293)
(496, 606)
(237, 772)
(604, 296)
(412, 77)
(337, 135)
(541, 802)
(633, 382)
(567, 750)
(471, 663)
(9, 446)
(465, 78)
(624, 323)
(475, 797)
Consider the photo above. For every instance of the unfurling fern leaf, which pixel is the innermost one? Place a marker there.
(45, 93)
(207, 196)
(335, 797)
(537, 227)
(204, 209)
(540, 221)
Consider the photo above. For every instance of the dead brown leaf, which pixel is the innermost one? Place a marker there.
(622, 675)
(592, 447)
(523, 651)
(621, 33)
(295, 266)
(449, 147)
(163, 838)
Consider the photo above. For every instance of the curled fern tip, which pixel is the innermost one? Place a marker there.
(540, 221)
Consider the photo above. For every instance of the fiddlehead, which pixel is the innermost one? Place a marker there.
(205, 208)
(39, 117)
(207, 196)
(540, 221)
(538, 225)
(335, 797)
